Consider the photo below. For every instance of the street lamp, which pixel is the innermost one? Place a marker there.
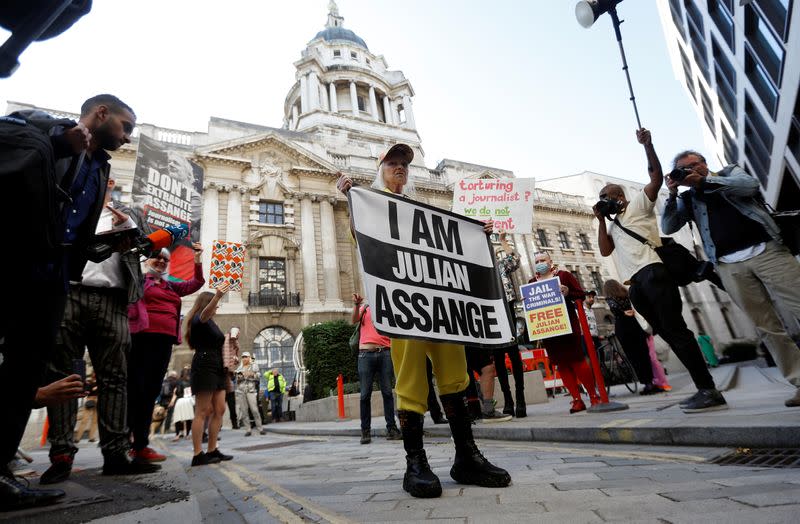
(587, 12)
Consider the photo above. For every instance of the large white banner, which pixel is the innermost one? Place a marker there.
(429, 274)
(508, 202)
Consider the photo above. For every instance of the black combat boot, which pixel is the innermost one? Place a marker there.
(508, 403)
(419, 480)
(469, 466)
(522, 408)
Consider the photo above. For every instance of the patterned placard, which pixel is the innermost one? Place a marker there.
(227, 264)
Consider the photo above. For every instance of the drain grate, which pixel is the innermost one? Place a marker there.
(274, 445)
(762, 458)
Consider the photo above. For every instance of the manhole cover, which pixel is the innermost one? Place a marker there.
(762, 458)
(274, 445)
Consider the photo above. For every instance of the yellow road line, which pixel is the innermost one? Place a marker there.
(302, 501)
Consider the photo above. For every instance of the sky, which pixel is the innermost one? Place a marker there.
(516, 85)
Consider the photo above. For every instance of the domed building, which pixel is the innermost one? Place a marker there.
(274, 190)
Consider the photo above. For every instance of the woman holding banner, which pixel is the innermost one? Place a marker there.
(449, 365)
(155, 327)
(566, 351)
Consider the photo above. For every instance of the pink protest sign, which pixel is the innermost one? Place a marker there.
(508, 202)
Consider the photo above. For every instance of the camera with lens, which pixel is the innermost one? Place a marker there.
(608, 206)
(679, 173)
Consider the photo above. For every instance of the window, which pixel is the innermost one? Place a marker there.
(697, 37)
(563, 240)
(687, 69)
(401, 112)
(708, 109)
(789, 195)
(541, 237)
(272, 277)
(721, 13)
(367, 60)
(730, 147)
(725, 76)
(585, 244)
(362, 103)
(761, 81)
(577, 274)
(273, 348)
(597, 282)
(757, 141)
(270, 213)
(777, 14)
(353, 55)
(794, 131)
(767, 48)
(337, 53)
(677, 16)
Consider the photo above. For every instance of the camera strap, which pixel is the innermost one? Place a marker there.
(637, 236)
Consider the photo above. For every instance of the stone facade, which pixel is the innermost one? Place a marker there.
(274, 189)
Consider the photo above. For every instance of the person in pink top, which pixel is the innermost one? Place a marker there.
(155, 327)
(373, 359)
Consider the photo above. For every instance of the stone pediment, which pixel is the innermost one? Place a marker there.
(266, 148)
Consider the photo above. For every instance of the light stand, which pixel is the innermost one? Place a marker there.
(587, 12)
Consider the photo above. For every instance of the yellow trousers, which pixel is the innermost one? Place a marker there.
(408, 358)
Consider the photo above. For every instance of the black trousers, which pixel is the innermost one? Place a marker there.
(28, 323)
(97, 319)
(230, 399)
(150, 354)
(655, 295)
(516, 370)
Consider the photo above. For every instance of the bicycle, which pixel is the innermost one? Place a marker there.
(615, 366)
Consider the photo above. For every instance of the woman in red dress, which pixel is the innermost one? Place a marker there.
(566, 351)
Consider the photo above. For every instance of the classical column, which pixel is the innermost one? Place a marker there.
(309, 247)
(233, 229)
(303, 95)
(334, 102)
(313, 91)
(409, 112)
(252, 251)
(387, 110)
(323, 97)
(209, 229)
(330, 259)
(353, 98)
(396, 111)
(373, 103)
(294, 117)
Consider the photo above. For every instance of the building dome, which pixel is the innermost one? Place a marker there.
(339, 34)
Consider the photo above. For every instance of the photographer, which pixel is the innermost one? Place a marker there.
(653, 291)
(744, 243)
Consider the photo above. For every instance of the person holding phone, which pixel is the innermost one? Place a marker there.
(208, 374)
(155, 328)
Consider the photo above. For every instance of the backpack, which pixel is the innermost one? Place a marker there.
(31, 196)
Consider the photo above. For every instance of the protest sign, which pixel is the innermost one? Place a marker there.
(227, 265)
(429, 274)
(167, 189)
(506, 201)
(545, 309)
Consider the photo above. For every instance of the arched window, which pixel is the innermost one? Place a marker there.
(272, 348)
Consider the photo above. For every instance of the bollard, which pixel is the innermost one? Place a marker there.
(45, 430)
(605, 405)
(340, 388)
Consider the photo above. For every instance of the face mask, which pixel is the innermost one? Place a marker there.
(542, 267)
(154, 271)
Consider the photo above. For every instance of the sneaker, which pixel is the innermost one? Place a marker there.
(121, 464)
(248, 433)
(494, 416)
(706, 400)
(392, 433)
(14, 495)
(577, 406)
(366, 436)
(147, 455)
(58, 471)
(220, 455)
(202, 459)
(689, 400)
(651, 389)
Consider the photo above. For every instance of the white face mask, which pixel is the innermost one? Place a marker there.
(154, 271)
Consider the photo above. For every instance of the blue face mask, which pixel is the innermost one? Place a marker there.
(542, 267)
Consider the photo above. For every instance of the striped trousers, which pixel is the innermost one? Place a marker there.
(97, 319)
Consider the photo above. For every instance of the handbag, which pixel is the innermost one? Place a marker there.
(355, 338)
(681, 264)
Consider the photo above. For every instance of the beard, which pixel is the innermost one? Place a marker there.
(105, 137)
